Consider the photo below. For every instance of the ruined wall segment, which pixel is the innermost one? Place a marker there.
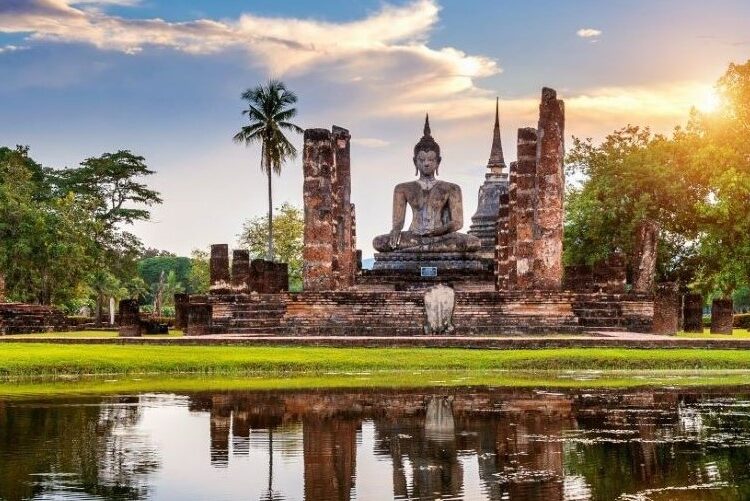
(549, 189)
(328, 255)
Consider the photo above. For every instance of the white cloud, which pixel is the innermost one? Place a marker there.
(588, 33)
(386, 53)
(12, 48)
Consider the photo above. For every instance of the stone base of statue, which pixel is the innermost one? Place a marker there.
(413, 261)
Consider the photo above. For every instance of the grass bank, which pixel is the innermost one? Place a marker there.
(23, 360)
(70, 386)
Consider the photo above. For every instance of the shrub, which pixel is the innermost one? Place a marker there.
(741, 321)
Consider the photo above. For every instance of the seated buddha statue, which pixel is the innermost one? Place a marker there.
(437, 209)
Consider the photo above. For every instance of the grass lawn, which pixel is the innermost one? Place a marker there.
(560, 380)
(24, 359)
(706, 334)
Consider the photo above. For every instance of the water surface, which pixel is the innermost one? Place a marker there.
(370, 444)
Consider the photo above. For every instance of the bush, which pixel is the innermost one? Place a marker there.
(741, 321)
(160, 320)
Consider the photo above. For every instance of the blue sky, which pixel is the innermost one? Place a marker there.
(163, 79)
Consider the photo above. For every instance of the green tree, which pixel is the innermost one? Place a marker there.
(270, 111)
(287, 239)
(631, 177)
(110, 186)
(151, 268)
(45, 244)
(720, 144)
(199, 277)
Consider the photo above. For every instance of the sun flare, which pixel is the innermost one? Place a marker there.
(709, 101)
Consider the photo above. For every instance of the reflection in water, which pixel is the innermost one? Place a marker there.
(464, 443)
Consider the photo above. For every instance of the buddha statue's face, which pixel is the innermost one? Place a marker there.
(427, 162)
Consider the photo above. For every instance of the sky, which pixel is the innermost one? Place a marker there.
(163, 78)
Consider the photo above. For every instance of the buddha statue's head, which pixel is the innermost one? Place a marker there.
(427, 152)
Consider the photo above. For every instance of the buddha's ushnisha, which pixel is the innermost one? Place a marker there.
(436, 206)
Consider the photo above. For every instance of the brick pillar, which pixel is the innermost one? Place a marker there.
(130, 318)
(343, 258)
(512, 222)
(644, 258)
(219, 265)
(317, 254)
(692, 312)
(524, 208)
(722, 316)
(356, 255)
(502, 245)
(199, 319)
(666, 310)
(240, 269)
(549, 189)
(180, 310)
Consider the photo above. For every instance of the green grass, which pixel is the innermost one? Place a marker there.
(82, 386)
(24, 359)
(706, 334)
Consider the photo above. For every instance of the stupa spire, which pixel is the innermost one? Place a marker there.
(427, 132)
(496, 163)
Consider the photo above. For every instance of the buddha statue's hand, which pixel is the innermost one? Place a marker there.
(395, 239)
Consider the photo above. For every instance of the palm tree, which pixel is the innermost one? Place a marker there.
(270, 109)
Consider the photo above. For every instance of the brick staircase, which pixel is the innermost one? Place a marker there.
(614, 312)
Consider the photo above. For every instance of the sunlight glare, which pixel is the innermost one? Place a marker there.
(709, 101)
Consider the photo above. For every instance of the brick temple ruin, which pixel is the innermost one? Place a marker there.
(507, 271)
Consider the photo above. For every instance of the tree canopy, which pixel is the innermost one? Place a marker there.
(694, 184)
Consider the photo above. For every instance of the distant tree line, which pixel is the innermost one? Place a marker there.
(694, 184)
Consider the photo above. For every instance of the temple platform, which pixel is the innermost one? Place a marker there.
(20, 318)
(401, 313)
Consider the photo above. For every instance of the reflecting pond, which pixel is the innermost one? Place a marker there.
(432, 443)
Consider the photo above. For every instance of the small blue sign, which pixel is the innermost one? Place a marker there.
(428, 271)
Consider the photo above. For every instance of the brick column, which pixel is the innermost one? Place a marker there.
(219, 265)
(722, 316)
(343, 258)
(524, 207)
(549, 189)
(666, 310)
(692, 312)
(180, 310)
(644, 258)
(240, 269)
(199, 319)
(512, 222)
(318, 166)
(356, 255)
(130, 319)
(502, 245)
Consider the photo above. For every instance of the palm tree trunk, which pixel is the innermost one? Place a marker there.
(270, 216)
